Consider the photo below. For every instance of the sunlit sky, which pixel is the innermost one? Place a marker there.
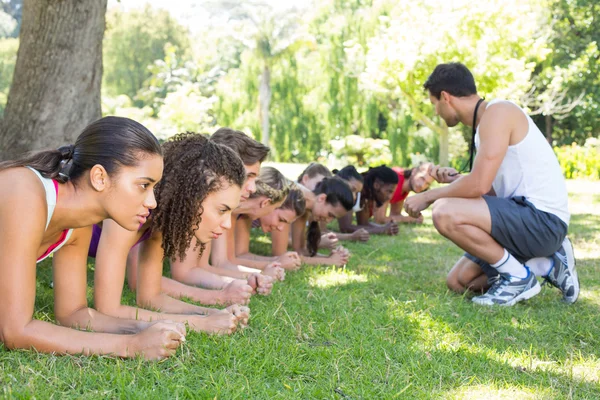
(191, 13)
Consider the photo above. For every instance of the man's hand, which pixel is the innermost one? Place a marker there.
(416, 203)
(444, 174)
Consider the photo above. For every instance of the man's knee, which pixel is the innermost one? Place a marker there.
(442, 215)
(453, 284)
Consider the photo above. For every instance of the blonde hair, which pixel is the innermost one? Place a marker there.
(272, 184)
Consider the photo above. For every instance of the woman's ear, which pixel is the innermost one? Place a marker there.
(99, 178)
(265, 202)
(304, 180)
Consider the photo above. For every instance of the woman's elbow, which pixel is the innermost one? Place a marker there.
(12, 336)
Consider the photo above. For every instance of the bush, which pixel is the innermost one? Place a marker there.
(580, 162)
(362, 152)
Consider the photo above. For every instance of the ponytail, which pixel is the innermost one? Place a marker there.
(110, 141)
(337, 192)
(313, 238)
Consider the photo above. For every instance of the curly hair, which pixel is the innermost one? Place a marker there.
(384, 175)
(272, 184)
(194, 168)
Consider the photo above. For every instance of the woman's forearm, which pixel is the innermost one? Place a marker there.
(255, 261)
(205, 296)
(316, 260)
(204, 276)
(49, 338)
(167, 304)
(88, 318)
(235, 270)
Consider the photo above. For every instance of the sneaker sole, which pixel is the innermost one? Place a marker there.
(571, 261)
(523, 296)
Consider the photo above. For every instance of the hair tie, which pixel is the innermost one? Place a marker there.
(67, 151)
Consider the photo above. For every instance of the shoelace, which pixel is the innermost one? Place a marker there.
(498, 285)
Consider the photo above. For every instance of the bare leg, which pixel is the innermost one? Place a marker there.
(467, 223)
(466, 275)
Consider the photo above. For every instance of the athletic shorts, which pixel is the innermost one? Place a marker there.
(523, 230)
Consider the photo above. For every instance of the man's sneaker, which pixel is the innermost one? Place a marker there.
(491, 280)
(563, 274)
(508, 290)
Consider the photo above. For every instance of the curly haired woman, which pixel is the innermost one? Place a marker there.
(270, 192)
(201, 186)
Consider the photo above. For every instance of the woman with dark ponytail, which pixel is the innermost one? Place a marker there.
(379, 186)
(331, 198)
(50, 200)
(356, 182)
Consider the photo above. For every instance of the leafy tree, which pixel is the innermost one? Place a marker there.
(134, 40)
(8, 58)
(571, 70)
(498, 40)
(13, 9)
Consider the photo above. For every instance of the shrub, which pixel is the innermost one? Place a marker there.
(580, 162)
(362, 152)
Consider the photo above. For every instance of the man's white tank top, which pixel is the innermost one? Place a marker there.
(530, 169)
(51, 189)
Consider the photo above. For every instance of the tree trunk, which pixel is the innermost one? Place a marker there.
(264, 98)
(443, 161)
(548, 119)
(55, 91)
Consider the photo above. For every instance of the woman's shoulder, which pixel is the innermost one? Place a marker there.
(22, 186)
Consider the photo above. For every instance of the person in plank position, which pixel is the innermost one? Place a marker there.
(50, 201)
(510, 212)
(415, 180)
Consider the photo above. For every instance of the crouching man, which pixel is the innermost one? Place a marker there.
(509, 214)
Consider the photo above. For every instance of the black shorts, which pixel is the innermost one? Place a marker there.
(523, 230)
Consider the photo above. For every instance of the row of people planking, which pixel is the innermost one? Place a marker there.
(119, 196)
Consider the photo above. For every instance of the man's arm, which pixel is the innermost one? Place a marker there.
(495, 130)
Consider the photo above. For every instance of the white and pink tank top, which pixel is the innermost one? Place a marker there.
(51, 189)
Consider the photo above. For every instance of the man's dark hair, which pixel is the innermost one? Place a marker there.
(249, 150)
(453, 78)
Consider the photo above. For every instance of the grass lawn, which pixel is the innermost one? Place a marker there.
(384, 327)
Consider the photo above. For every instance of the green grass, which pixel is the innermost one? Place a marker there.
(384, 327)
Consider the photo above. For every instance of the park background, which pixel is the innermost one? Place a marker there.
(338, 81)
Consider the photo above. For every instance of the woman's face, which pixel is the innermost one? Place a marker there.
(311, 183)
(384, 192)
(130, 192)
(216, 217)
(325, 212)
(264, 207)
(420, 179)
(356, 186)
(277, 220)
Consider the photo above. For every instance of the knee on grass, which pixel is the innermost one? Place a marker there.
(454, 283)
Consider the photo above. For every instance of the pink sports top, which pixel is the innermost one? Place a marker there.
(51, 188)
